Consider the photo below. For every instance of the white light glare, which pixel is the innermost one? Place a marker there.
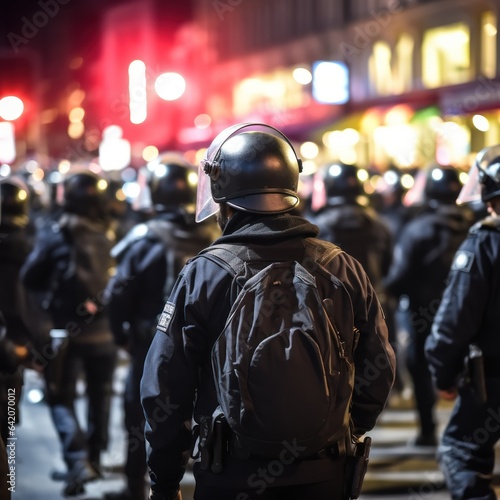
(170, 86)
(138, 103)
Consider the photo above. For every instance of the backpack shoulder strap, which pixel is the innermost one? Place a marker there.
(321, 252)
(226, 256)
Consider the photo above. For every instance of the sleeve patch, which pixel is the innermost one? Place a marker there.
(166, 317)
(463, 261)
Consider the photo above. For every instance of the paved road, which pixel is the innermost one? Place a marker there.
(396, 471)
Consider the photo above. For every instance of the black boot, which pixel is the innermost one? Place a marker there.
(95, 462)
(80, 473)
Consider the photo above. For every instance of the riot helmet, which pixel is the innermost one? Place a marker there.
(490, 180)
(484, 177)
(172, 183)
(435, 185)
(85, 194)
(252, 167)
(117, 199)
(14, 202)
(339, 183)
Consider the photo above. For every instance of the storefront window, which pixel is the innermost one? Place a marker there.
(446, 56)
(488, 44)
(380, 69)
(404, 70)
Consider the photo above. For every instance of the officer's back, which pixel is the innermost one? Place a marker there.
(347, 220)
(150, 258)
(425, 250)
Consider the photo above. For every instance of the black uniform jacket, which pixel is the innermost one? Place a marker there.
(422, 259)
(362, 233)
(136, 292)
(85, 249)
(177, 383)
(470, 308)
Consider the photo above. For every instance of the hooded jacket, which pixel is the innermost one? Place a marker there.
(178, 384)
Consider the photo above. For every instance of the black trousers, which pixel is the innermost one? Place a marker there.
(423, 388)
(96, 362)
(466, 453)
(331, 489)
(135, 467)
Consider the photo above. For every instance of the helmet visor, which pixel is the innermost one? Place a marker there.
(142, 200)
(471, 191)
(205, 205)
(318, 198)
(415, 196)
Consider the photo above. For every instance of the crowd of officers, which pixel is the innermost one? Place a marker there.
(89, 276)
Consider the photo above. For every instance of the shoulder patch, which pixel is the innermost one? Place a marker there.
(463, 261)
(166, 317)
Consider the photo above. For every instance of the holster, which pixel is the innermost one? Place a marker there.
(475, 375)
(213, 442)
(356, 467)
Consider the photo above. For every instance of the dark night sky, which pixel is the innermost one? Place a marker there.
(50, 31)
(43, 15)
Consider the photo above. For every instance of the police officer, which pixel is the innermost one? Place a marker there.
(422, 259)
(469, 314)
(69, 267)
(249, 178)
(149, 259)
(346, 219)
(14, 249)
(390, 191)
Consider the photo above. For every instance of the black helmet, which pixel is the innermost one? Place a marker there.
(490, 180)
(442, 184)
(172, 183)
(337, 184)
(483, 181)
(252, 167)
(342, 180)
(14, 198)
(85, 194)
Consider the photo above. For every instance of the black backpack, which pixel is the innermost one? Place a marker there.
(283, 370)
(63, 292)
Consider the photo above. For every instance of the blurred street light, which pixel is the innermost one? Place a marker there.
(170, 86)
(11, 108)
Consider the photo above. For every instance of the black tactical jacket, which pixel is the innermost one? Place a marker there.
(178, 383)
(470, 309)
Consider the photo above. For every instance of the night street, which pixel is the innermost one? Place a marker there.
(396, 471)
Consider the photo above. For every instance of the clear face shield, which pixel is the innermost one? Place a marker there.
(471, 192)
(142, 201)
(415, 196)
(205, 205)
(318, 198)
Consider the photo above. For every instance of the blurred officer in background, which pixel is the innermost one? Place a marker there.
(120, 212)
(11, 356)
(149, 260)
(14, 249)
(390, 192)
(469, 314)
(69, 267)
(344, 217)
(249, 177)
(422, 259)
